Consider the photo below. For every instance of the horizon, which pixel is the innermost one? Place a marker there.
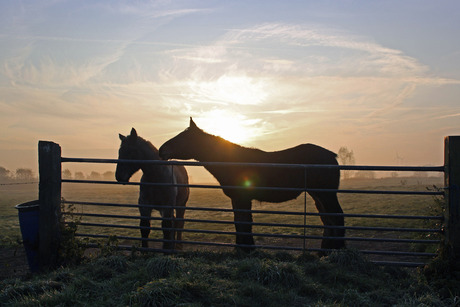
(380, 78)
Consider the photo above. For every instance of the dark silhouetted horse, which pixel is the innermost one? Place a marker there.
(134, 147)
(194, 143)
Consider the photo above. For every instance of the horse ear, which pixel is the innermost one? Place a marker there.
(133, 132)
(192, 124)
(122, 137)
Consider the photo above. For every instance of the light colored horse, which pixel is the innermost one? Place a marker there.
(194, 143)
(134, 147)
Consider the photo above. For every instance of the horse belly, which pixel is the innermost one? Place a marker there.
(276, 196)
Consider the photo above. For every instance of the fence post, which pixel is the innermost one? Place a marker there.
(49, 167)
(452, 182)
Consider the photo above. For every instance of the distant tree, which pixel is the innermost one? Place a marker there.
(79, 176)
(346, 157)
(24, 174)
(66, 174)
(94, 176)
(4, 173)
(109, 175)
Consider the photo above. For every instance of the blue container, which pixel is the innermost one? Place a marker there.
(29, 216)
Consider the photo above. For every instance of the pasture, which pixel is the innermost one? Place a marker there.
(226, 278)
(351, 203)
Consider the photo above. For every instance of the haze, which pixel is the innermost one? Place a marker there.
(379, 77)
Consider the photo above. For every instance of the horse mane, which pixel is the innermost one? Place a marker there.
(229, 149)
(149, 145)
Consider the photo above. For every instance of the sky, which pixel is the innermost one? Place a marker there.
(381, 78)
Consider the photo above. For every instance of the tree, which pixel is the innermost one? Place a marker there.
(346, 157)
(79, 176)
(66, 174)
(109, 175)
(24, 174)
(4, 173)
(94, 176)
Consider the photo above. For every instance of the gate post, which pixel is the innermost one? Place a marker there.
(452, 182)
(49, 195)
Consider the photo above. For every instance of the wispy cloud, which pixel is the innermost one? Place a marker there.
(113, 64)
(448, 116)
(311, 66)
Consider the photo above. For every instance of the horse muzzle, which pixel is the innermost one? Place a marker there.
(120, 178)
(164, 154)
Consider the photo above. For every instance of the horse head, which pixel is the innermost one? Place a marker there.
(181, 146)
(129, 150)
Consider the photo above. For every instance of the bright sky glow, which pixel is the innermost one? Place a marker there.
(231, 126)
(380, 77)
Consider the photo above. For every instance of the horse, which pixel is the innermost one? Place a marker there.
(194, 143)
(133, 147)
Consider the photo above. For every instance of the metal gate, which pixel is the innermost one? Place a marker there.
(387, 238)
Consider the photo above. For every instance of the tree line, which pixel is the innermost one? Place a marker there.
(26, 174)
(108, 175)
(21, 174)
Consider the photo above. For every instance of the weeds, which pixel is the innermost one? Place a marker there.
(71, 249)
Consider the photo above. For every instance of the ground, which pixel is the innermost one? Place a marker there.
(13, 262)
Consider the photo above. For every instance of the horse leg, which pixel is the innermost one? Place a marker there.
(145, 224)
(166, 224)
(328, 203)
(244, 230)
(179, 224)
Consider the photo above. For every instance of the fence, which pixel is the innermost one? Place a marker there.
(293, 236)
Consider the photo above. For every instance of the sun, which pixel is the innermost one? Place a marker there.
(231, 126)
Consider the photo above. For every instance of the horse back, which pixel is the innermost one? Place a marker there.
(302, 154)
(285, 177)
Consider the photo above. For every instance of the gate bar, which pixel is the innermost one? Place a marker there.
(258, 188)
(281, 165)
(421, 217)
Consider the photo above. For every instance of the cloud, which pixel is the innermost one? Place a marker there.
(448, 116)
(300, 68)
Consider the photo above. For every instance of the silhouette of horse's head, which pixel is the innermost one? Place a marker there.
(129, 150)
(179, 146)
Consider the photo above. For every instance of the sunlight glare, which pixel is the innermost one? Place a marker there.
(231, 126)
(230, 89)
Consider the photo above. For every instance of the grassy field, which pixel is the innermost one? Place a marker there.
(223, 278)
(351, 203)
(227, 279)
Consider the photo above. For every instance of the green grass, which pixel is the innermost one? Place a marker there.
(10, 196)
(227, 279)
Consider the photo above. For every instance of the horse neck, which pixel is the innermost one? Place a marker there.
(149, 152)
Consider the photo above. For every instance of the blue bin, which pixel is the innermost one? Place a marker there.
(29, 216)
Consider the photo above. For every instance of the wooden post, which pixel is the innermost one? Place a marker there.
(452, 182)
(49, 195)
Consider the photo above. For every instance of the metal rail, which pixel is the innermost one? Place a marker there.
(379, 216)
(207, 186)
(277, 165)
(362, 228)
